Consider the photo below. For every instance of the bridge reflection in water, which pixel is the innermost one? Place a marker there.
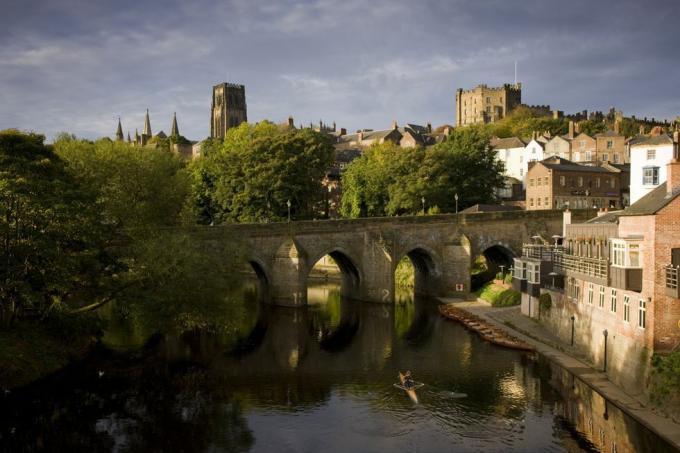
(318, 378)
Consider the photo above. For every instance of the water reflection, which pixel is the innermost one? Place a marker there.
(317, 378)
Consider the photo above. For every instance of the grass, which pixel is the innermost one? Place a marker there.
(29, 351)
(499, 295)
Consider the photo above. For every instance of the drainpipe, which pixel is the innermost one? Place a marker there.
(605, 333)
(572, 330)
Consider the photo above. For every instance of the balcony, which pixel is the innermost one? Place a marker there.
(596, 268)
(541, 252)
(672, 281)
(626, 278)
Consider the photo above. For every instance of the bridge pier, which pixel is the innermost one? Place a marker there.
(288, 280)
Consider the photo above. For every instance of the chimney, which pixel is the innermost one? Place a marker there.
(447, 131)
(642, 129)
(334, 126)
(673, 167)
(429, 127)
(291, 123)
(656, 130)
(394, 124)
(343, 131)
(577, 128)
(617, 127)
(571, 129)
(566, 220)
(360, 136)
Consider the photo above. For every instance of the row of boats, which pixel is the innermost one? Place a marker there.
(485, 329)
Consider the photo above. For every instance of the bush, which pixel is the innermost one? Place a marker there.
(507, 298)
(545, 301)
(508, 278)
(666, 376)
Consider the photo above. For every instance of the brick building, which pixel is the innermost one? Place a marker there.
(611, 146)
(555, 183)
(485, 104)
(613, 281)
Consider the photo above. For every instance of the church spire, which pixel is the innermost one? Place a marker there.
(119, 132)
(174, 130)
(129, 141)
(147, 125)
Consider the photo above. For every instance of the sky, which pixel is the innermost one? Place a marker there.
(78, 65)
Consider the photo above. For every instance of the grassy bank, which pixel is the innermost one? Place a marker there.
(31, 350)
(498, 295)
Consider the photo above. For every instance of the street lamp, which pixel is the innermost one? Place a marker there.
(605, 333)
(455, 197)
(572, 329)
(422, 200)
(288, 204)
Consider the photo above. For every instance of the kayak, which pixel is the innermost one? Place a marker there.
(411, 392)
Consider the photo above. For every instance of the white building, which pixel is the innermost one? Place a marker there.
(516, 155)
(649, 157)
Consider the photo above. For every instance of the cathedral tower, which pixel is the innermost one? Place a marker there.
(228, 108)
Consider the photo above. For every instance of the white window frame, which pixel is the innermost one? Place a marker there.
(590, 293)
(600, 299)
(651, 179)
(642, 314)
(620, 251)
(626, 308)
(533, 272)
(613, 299)
(651, 154)
(520, 269)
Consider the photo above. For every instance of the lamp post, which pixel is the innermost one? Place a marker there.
(422, 200)
(502, 266)
(572, 329)
(455, 197)
(288, 204)
(605, 333)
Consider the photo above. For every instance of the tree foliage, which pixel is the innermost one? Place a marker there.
(256, 170)
(389, 180)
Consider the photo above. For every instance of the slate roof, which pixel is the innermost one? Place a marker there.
(559, 163)
(651, 203)
(610, 217)
(609, 133)
(661, 139)
(506, 143)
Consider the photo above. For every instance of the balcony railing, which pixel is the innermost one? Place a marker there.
(592, 267)
(672, 280)
(541, 252)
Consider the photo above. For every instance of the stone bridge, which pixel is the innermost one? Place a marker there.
(367, 251)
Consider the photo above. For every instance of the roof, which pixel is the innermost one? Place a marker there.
(661, 139)
(609, 133)
(559, 163)
(506, 143)
(652, 203)
(609, 217)
(491, 208)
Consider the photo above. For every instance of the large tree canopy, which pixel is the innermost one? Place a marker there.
(389, 180)
(251, 175)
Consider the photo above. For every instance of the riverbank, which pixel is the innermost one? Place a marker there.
(547, 344)
(29, 351)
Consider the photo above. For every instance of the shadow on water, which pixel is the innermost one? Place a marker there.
(316, 378)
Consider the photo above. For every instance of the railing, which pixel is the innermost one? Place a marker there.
(541, 252)
(672, 277)
(592, 267)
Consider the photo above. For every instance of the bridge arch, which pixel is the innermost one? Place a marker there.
(427, 268)
(350, 272)
(263, 280)
(493, 258)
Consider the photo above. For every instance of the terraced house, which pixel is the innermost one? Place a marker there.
(612, 282)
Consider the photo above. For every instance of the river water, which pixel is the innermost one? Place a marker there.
(316, 379)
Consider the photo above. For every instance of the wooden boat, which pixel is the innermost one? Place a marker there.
(411, 392)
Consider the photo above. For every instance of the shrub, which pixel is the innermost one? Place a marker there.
(507, 298)
(666, 373)
(508, 278)
(545, 301)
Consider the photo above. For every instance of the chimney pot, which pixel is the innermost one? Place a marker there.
(394, 124)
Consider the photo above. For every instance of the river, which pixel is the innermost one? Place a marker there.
(315, 379)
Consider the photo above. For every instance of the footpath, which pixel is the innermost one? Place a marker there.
(549, 345)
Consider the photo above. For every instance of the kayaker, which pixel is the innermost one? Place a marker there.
(408, 380)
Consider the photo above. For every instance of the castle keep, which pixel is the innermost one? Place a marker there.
(228, 108)
(486, 105)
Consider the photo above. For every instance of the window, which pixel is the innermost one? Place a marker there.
(610, 144)
(520, 269)
(642, 314)
(563, 181)
(582, 144)
(626, 308)
(521, 159)
(650, 176)
(597, 182)
(612, 306)
(590, 293)
(651, 154)
(538, 201)
(616, 158)
(534, 273)
(577, 156)
(545, 180)
(531, 202)
(626, 253)
(600, 300)
(488, 100)
(547, 201)
(589, 155)
(521, 172)
(605, 157)
(531, 182)
(488, 109)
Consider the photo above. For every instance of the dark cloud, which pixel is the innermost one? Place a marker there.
(77, 65)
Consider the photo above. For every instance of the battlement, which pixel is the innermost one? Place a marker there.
(485, 88)
(231, 85)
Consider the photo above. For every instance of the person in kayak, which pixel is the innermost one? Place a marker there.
(408, 380)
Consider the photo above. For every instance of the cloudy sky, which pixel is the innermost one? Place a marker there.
(76, 65)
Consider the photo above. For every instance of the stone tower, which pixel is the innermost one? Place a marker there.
(228, 108)
(485, 104)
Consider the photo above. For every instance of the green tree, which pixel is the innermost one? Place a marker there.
(51, 227)
(256, 170)
(389, 180)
